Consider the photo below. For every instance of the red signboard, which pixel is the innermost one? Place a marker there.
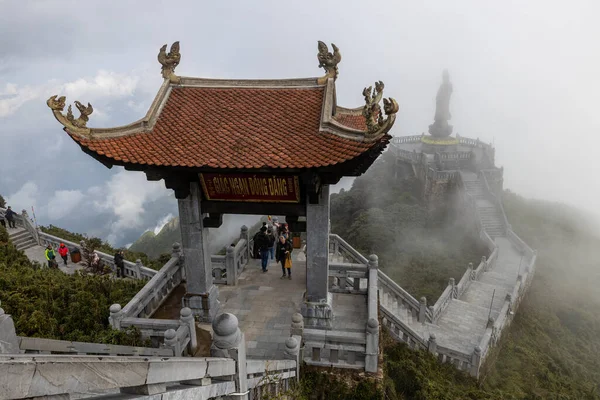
(251, 188)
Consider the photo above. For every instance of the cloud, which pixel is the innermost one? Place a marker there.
(24, 198)
(63, 203)
(162, 222)
(105, 85)
(125, 195)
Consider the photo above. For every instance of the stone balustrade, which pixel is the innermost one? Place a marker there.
(348, 278)
(227, 269)
(402, 332)
(406, 139)
(30, 345)
(335, 348)
(340, 250)
(387, 287)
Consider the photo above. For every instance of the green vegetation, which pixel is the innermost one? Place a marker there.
(552, 348)
(153, 245)
(48, 303)
(381, 214)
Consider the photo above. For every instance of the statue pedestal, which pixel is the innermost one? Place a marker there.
(432, 145)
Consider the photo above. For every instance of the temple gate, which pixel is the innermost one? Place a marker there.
(245, 147)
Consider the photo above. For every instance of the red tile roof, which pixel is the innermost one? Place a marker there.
(233, 127)
(354, 121)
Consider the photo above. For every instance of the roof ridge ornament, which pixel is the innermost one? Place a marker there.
(169, 61)
(75, 125)
(328, 61)
(372, 110)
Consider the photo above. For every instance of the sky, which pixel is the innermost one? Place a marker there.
(524, 73)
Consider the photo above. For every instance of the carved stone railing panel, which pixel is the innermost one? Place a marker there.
(348, 278)
(51, 346)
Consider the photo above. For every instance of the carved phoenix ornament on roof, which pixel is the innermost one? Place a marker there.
(328, 60)
(69, 121)
(372, 111)
(169, 60)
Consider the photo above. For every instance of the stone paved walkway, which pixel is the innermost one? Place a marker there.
(37, 253)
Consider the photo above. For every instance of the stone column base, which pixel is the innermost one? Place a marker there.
(203, 305)
(318, 315)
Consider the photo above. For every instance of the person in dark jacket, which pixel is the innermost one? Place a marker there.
(271, 237)
(2, 222)
(120, 264)
(10, 217)
(284, 250)
(262, 242)
(63, 251)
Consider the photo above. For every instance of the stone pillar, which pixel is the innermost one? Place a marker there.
(116, 315)
(292, 352)
(138, 268)
(432, 344)
(9, 342)
(317, 307)
(172, 343)
(372, 348)
(475, 361)
(422, 310)
(230, 266)
(229, 342)
(187, 318)
(244, 235)
(201, 294)
(297, 325)
(452, 284)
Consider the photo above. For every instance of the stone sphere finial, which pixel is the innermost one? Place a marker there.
(115, 308)
(229, 249)
(291, 346)
(225, 324)
(432, 337)
(176, 246)
(374, 258)
(424, 300)
(244, 228)
(185, 312)
(170, 334)
(477, 349)
(297, 318)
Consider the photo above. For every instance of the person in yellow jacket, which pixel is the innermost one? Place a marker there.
(50, 256)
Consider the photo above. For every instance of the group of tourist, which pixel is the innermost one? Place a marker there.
(8, 216)
(273, 241)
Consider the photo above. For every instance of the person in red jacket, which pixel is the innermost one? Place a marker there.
(63, 251)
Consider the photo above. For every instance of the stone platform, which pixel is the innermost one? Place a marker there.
(264, 304)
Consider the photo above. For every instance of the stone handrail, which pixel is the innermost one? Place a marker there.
(442, 302)
(401, 331)
(219, 269)
(460, 360)
(132, 270)
(347, 277)
(495, 199)
(406, 139)
(340, 348)
(52, 346)
(339, 247)
(455, 155)
(86, 375)
(410, 156)
(387, 286)
(264, 373)
(25, 222)
(151, 296)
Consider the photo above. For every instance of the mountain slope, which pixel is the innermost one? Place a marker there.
(154, 245)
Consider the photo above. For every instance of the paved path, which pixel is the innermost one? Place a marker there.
(37, 253)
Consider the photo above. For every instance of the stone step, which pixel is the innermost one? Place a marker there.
(17, 235)
(21, 239)
(26, 245)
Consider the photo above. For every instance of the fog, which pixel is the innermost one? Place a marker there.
(524, 77)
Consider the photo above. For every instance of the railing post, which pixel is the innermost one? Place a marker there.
(452, 283)
(292, 352)
(470, 269)
(475, 361)
(229, 342)
(432, 344)
(10, 341)
(177, 252)
(244, 235)
(187, 318)
(297, 325)
(116, 315)
(372, 348)
(138, 268)
(485, 263)
(422, 309)
(230, 266)
(172, 343)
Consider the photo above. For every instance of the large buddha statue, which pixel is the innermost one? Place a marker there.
(440, 127)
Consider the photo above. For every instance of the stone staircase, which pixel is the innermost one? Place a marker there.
(492, 220)
(21, 238)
